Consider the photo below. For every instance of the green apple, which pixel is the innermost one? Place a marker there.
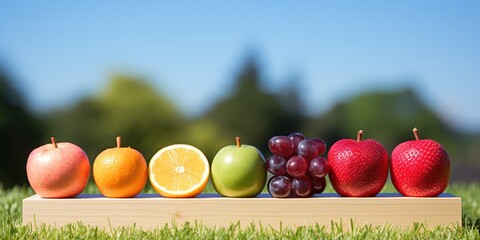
(238, 171)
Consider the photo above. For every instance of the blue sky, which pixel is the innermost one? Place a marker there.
(61, 51)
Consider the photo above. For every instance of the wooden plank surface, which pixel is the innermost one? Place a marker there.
(150, 210)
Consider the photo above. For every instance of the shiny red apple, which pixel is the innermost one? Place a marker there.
(358, 168)
(420, 167)
(58, 170)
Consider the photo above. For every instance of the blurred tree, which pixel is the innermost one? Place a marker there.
(388, 117)
(206, 135)
(20, 133)
(254, 114)
(129, 107)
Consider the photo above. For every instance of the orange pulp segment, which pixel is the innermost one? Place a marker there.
(179, 171)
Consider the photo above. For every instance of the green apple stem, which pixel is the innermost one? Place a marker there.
(359, 135)
(237, 139)
(119, 141)
(53, 142)
(415, 133)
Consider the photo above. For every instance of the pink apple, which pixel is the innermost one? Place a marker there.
(58, 170)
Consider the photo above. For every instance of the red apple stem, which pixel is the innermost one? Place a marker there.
(119, 141)
(237, 139)
(415, 133)
(53, 142)
(359, 135)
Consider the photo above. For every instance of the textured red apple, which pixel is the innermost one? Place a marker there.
(58, 170)
(420, 167)
(358, 168)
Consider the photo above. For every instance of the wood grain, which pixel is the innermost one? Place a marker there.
(151, 211)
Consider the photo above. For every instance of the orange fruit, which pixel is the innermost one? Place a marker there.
(120, 172)
(178, 171)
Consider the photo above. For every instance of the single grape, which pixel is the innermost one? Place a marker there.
(276, 165)
(307, 149)
(281, 146)
(279, 186)
(318, 185)
(296, 138)
(320, 144)
(318, 167)
(297, 166)
(302, 187)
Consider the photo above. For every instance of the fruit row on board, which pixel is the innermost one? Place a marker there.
(298, 167)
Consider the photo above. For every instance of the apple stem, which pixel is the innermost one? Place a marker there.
(119, 141)
(237, 139)
(53, 142)
(359, 135)
(415, 133)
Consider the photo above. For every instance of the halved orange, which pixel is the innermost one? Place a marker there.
(179, 171)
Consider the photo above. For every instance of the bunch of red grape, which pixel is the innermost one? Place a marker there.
(297, 165)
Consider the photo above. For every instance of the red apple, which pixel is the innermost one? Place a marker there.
(58, 170)
(358, 168)
(420, 168)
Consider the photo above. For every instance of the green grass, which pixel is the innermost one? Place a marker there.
(12, 228)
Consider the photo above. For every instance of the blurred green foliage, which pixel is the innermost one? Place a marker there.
(20, 132)
(388, 117)
(252, 113)
(128, 107)
(147, 121)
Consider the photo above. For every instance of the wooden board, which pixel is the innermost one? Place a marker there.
(150, 210)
